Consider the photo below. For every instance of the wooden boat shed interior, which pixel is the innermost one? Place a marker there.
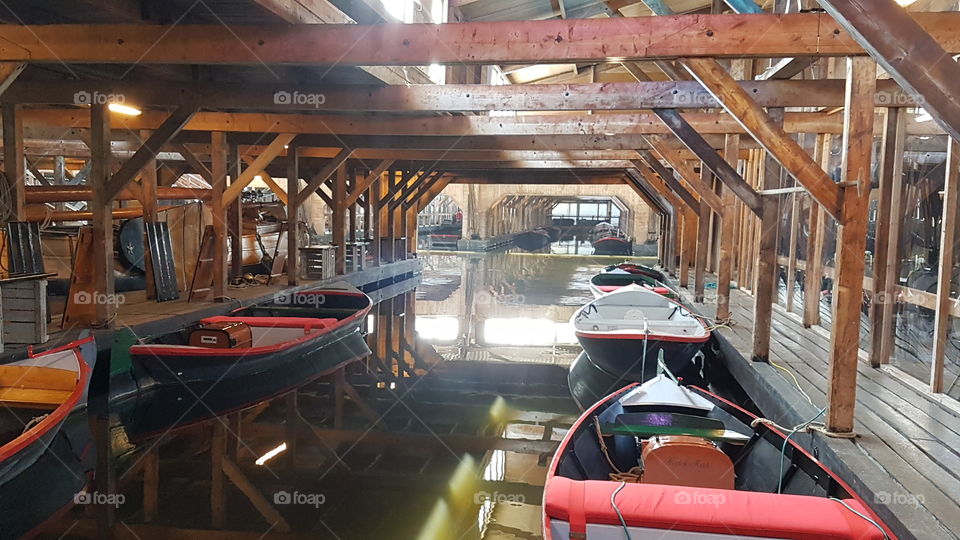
(780, 149)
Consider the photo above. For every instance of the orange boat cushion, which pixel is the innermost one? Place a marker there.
(718, 511)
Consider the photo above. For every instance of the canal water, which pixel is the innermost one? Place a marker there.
(454, 447)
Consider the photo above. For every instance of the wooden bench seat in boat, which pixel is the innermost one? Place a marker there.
(651, 424)
(35, 387)
(668, 511)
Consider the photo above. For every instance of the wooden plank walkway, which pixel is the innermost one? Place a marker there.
(905, 461)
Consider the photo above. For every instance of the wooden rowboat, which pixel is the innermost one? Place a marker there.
(629, 329)
(671, 462)
(320, 328)
(37, 394)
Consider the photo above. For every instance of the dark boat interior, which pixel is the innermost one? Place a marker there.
(758, 464)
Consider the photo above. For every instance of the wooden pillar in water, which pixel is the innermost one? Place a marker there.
(851, 242)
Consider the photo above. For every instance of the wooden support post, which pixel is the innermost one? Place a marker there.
(102, 204)
(703, 239)
(766, 265)
(13, 159)
(688, 244)
(339, 218)
(293, 215)
(948, 238)
(851, 245)
(218, 168)
(148, 201)
(352, 207)
(151, 484)
(218, 484)
(792, 248)
(886, 269)
(731, 152)
(813, 275)
(235, 217)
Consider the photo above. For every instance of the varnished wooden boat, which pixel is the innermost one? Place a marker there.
(37, 394)
(671, 462)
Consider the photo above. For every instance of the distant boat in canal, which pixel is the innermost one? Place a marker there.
(295, 328)
(534, 240)
(668, 461)
(628, 330)
(610, 240)
(613, 278)
(37, 394)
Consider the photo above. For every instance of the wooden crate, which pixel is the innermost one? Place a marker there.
(317, 262)
(23, 309)
(356, 254)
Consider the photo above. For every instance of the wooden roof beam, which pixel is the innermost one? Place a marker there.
(581, 40)
(669, 179)
(454, 97)
(686, 172)
(148, 150)
(719, 166)
(368, 181)
(771, 136)
(243, 180)
(908, 52)
(325, 174)
(542, 125)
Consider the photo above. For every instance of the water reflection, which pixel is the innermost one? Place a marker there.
(443, 432)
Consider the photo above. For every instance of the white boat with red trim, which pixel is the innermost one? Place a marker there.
(664, 461)
(627, 329)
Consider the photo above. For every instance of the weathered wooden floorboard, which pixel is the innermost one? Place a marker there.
(907, 441)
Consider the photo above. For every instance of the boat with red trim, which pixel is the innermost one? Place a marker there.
(629, 329)
(37, 394)
(612, 279)
(610, 240)
(635, 268)
(672, 462)
(317, 327)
